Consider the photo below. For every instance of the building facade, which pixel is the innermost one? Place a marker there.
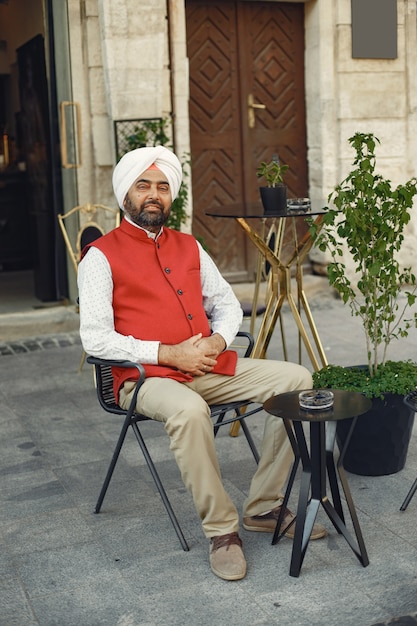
(115, 60)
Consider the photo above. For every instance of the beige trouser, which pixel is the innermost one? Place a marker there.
(183, 407)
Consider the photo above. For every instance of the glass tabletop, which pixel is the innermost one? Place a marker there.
(346, 404)
(254, 210)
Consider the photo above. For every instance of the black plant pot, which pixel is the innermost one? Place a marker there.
(379, 442)
(274, 199)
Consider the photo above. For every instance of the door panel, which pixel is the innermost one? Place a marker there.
(274, 75)
(236, 49)
(215, 127)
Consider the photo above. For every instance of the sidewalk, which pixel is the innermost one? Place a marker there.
(61, 565)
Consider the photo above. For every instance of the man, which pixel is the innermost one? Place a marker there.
(146, 294)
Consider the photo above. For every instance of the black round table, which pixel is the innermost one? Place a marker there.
(318, 466)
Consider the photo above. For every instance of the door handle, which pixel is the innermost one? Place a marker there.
(252, 105)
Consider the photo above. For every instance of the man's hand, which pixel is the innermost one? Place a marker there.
(212, 345)
(196, 355)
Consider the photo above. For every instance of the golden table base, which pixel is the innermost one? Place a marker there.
(279, 286)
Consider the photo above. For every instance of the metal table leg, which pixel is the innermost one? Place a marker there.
(409, 496)
(318, 466)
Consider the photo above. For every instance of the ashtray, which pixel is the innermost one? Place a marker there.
(298, 205)
(316, 399)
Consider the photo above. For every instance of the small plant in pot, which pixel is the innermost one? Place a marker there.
(274, 195)
(368, 220)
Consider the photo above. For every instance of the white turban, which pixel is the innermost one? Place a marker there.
(134, 163)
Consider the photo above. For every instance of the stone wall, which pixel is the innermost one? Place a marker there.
(129, 61)
(122, 69)
(345, 95)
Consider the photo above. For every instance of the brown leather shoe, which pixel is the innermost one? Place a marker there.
(267, 523)
(227, 560)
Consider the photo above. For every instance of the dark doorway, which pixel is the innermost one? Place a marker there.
(35, 120)
(31, 247)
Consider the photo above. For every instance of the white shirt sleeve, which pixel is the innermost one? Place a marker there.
(98, 335)
(219, 301)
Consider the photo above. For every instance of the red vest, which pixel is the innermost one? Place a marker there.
(157, 294)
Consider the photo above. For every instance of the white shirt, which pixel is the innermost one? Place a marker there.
(100, 339)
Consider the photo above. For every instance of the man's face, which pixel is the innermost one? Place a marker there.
(148, 201)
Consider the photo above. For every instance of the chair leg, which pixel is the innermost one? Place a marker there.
(249, 439)
(246, 431)
(219, 422)
(160, 487)
(112, 465)
(409, 496)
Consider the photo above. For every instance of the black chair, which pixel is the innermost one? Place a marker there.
(104, 384)
(411, 401)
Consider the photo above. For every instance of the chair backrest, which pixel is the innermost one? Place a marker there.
(88, 234)
(105, 393)
(84, 224)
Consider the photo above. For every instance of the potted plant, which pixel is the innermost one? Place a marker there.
(368, 221)
(274, 195)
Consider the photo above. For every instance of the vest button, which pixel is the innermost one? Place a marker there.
(179, 292)
(190, 317)
(167, 270)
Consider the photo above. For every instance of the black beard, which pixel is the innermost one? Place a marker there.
(144, 218)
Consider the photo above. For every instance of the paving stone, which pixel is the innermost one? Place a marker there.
(62, 564)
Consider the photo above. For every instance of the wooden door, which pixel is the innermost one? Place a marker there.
(240, 50)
